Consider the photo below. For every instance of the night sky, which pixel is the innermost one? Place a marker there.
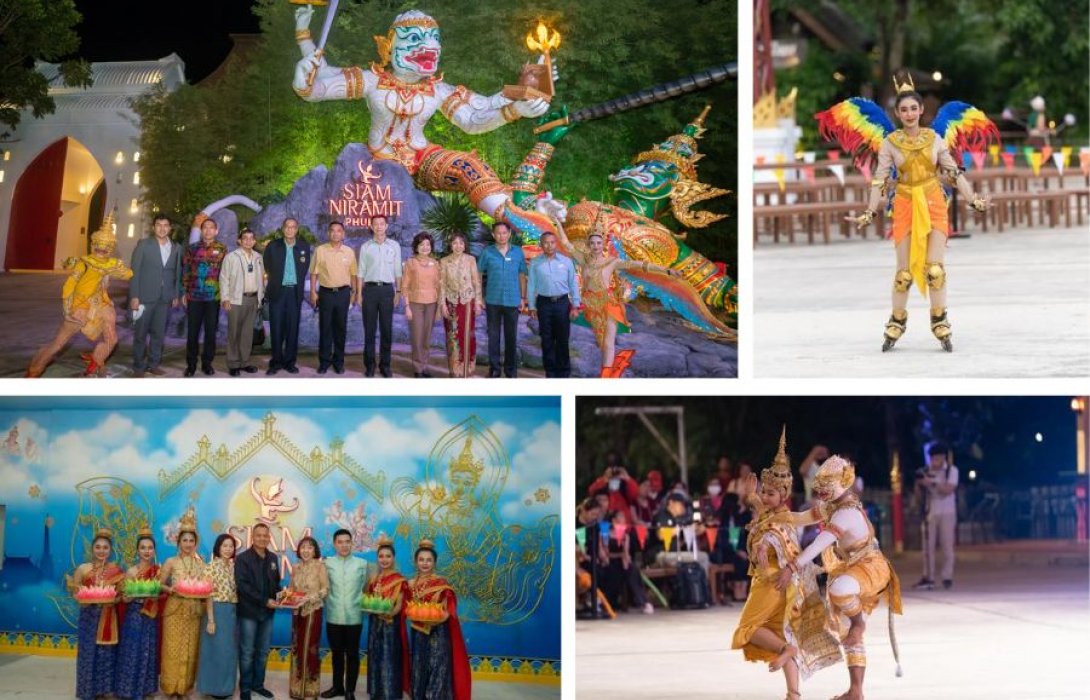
(997, 436)
(132, 30)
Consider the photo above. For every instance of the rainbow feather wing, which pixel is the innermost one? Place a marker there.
(858, 125)
(677, 296)
(963, 127)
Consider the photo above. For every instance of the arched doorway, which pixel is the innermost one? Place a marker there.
(53, 207)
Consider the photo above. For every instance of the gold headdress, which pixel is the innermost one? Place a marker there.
(466, 465)
(682, 152)
(105, 533)
(835, 471)
(425, 544)
(383, 541)
(778, 476)
(105, 235)
(412, 18)
(188, 521)
(144, 531)
(906, 86)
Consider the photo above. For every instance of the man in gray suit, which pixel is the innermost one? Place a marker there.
(155, 286)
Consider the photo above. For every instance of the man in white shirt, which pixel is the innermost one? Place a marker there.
(379, 271)
(242, 288)
(938, 487)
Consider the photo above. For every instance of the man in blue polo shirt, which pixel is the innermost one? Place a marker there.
(504, 270)
(554, 302)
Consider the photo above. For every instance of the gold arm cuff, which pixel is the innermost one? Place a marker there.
(302, 35)
(509, 114)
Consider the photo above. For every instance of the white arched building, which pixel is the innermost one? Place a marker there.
(58, 174)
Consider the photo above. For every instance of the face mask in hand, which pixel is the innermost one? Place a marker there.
(714, 490)
(614, 484)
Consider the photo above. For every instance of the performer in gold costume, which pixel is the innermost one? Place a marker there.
(181, 616)
(603, 296)
(786, 628)
(87, 305)
(924, 159)
(859, 574)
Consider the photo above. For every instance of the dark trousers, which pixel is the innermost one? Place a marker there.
(378, 314)
(508, 316)
(284, 329)
(153, 323)
(201, 315)
(332, 325)
(554, 324)
(344, 647)
(253, 650)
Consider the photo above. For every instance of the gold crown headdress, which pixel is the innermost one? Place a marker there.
(383, 541)
(105, 533)
(144, 531)
(425, 544)
(466, 463)
(778, 476)
(188, 521)
(906, 86)
(411, 18)
(105, 234)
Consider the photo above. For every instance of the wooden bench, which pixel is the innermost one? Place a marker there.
(713, 578)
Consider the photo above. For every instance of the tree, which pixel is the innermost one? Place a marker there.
(609, 49)
(36, 30)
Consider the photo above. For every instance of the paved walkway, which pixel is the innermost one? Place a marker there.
(46, 678)
(1002, 633)
(1019, 305)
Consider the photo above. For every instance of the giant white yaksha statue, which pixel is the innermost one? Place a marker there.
(403, 91)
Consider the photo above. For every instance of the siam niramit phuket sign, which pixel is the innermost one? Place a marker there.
(364, 197)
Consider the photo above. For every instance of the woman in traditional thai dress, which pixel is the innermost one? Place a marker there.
(181, 616)
(420, 282)
(309, 577)
(387, 641)
(773, 622)
(96, 650)
(913, 164)
(217, 670)
(138, 653)
(440, 664)
(603, 296)
(460, 300)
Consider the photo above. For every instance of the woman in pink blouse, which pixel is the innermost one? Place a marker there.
(420, 283)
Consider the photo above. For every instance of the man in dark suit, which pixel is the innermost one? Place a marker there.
(257, 579)
(155, 286)
(284, 293)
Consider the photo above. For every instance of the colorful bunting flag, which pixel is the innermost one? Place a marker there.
(978, 159)
(666, 534)
(833, 155)
(641, 535)
(1008, 160)
(1035, 162)
(1058, 160)
(838, 171)
(619, 532)
(581, 537)
(993, 149)
(712, 533)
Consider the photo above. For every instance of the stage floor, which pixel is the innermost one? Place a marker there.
(1018, 305)
(46, 678)
(1003, 631)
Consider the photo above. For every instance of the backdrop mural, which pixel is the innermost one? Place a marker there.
(480, 476)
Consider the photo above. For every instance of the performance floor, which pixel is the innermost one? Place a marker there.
(45, 678)
(1018, 301)
(1012, 627)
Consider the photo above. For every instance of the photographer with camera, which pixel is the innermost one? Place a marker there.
(936, 488)
(621, 489)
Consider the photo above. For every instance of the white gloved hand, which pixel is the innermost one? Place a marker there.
(528, 109)
(303, 16)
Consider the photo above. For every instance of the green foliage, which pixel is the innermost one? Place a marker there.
(992, 53)
(36, 30)
(452, 214)
(609, 49)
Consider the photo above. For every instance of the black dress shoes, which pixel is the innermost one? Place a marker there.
(190, 371)
(291, 369)
(271, 371)
(208, 370)
(323, 369)
(332, 693)
(234, 372)
(386, 372)
(249, 369)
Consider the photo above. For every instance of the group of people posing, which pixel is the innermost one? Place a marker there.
(220, 642)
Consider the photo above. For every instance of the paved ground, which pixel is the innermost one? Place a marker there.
(1019, 305)
(1005, 631)
(45, 678)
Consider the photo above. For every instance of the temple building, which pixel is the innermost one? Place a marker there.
(59, 173)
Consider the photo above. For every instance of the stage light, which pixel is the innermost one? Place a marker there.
(136, 178)
(136, 156)
(119, 158)
(7, 154)
(134, 207)
(1039, 438)
(972, 475)
(838, 76)
(1, 176)
(132, 230)
(1078, 404)
(937, 76)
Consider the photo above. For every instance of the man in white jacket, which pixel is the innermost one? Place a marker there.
(242, 288)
